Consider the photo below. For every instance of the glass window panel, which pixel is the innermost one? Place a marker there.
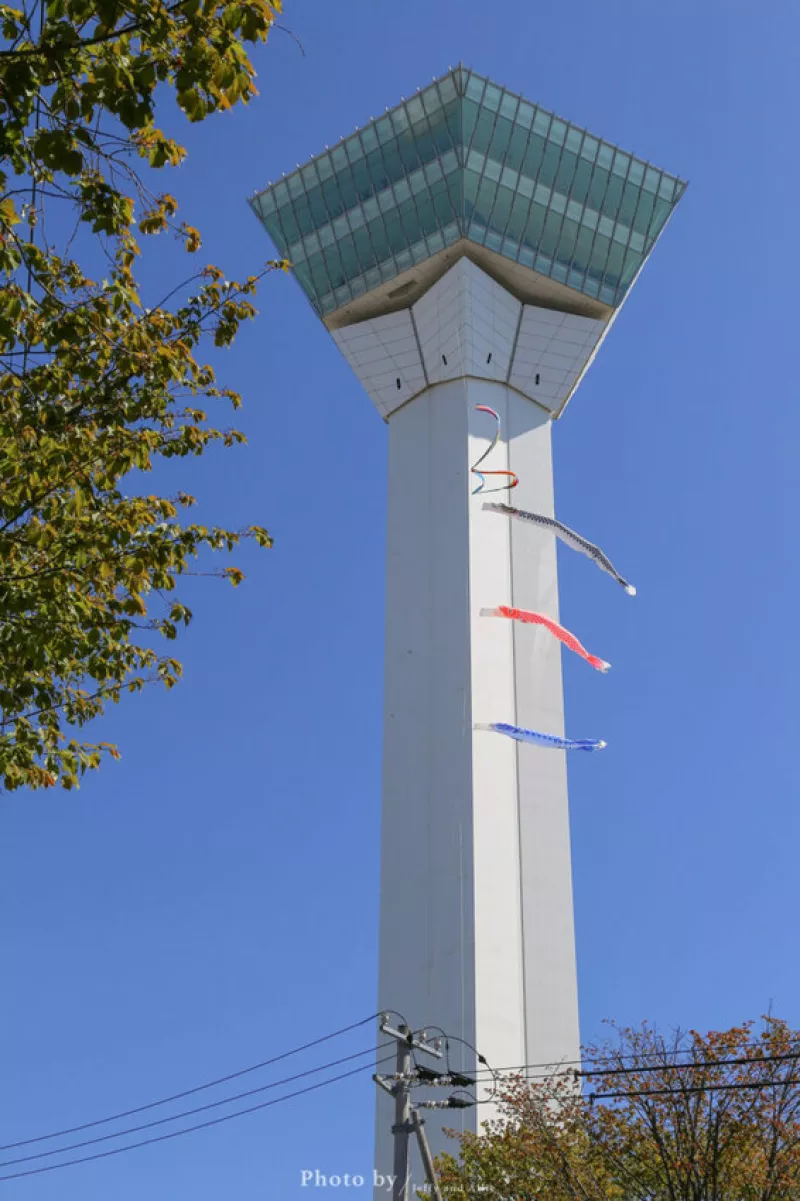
(541, 122)
(589, 148)
(502, 209)
(483, 203)
(558, 131)
(567, 240)
(364, 249)
(591, 287)
(644, 212)
(309, 177)
(481, 138)
(549, 238)
(501, 136)
(442, 202)
(281, 194)
(616, 257)
(332, 198)
(425, 146)
(440, 132)
(660, 214)
(491, 170)
(574, 139)
(471, 179)
(410, 220)
(583, 249)
(273, 224)
(430, 100)
(316, 203)
(450, 162)
(493, 240)
(515, 155)
(370, 208)
(303, 275)
(509, 178)
(447, 89)
(404, 259)
(435, 243)
(334, 268)
(475, 231)
(324, 167)
(630, 199)
(636, 173)
(559, 271)
(535, 226)
(469, 117)
(575, 278)
(378, 171)
(492, 97)
(651, 178)
(597, 262)
(549, 167)
(347, 190)
(632, 262)
(451, 233)
(355, 150)
(534, 155)
(369, 139)
(508, 106)
(605, 156)
(355, 219)
(339, 158)
(362, 181)
(433, 171)
(347, 253)
(303, 217)
(295, 185)
(415, 109)
(581, 181)
(474, 90)
(326, 235)
(316, 267)
(525, 114)
(666, 188)
(402, 191)
(518, 217)
(613, 196)
(621, 164)
(566, 170)
(383, 129)
(427, 214)
(377, 236)
(394, 232)
(374, 277)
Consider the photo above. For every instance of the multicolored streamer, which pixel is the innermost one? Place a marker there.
(566, 535)
(569, 640)
(482, 474)
(538, 739)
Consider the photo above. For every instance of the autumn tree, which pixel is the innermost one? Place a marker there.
(692, 1117)
(94, 386)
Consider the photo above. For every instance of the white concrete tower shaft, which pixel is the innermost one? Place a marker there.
(476, 916)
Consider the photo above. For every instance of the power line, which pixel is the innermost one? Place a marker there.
(693, 1088)
(162, 1138)
(663, 1067)
(104, 1138)
(128, 1113)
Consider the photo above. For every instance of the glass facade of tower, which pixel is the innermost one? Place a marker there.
(467, 159)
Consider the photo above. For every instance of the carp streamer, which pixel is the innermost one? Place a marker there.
(548, 740)
(566, 535)
(569, 640)
(513, 481)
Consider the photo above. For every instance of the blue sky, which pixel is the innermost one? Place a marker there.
(212, 899)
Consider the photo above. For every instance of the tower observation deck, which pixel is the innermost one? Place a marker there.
(470, 248)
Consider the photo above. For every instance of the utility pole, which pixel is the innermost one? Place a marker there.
(407, 1119)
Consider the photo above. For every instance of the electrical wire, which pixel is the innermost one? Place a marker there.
(162, 1138)
(188, 1113)
(128, 1113)
(693, 1088)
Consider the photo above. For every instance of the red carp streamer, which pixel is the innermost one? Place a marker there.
(539, 619)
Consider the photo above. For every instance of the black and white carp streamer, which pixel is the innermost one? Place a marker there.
(483, 474)
(566, 535)
(553, 741)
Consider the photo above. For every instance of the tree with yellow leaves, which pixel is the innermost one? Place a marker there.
(692, 1117)
(93, 385)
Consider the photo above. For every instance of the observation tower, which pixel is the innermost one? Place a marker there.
(470, 248)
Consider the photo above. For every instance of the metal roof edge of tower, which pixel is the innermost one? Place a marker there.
(460, 75)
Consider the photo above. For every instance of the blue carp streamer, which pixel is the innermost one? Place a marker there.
(566, 535)
(538, 739)
(513, 481)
